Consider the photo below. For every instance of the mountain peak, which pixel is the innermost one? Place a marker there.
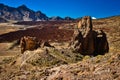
(21, 13)
(24, 7)
(1, 4)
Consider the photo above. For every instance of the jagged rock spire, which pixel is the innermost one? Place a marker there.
(85, 25)
(87, 41)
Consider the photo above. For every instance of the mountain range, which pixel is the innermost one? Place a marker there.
(23, 13)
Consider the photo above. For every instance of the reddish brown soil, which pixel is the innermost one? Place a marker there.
(46, 33)
(44, 22)
(44, 30)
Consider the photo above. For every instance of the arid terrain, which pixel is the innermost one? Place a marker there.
(59, 63)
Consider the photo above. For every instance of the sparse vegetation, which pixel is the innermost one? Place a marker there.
(60, 61)
(86, 57)
(55, 57)
(6, 60)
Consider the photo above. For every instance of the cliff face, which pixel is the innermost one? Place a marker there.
(21, 13)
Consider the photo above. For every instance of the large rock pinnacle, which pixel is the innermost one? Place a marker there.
(87, 41)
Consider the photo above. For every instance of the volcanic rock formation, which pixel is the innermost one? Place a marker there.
(101, 43)
(31, 43)
(87, 41)
(28, 43)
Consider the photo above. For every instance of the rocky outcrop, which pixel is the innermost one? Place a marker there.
(85, 26)
(31, 43)
(76, 41)
(87, 41)
(101, 43)
(28, 43)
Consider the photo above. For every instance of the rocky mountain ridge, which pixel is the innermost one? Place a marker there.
(23, 13)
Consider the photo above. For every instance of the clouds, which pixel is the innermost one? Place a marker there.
(94, 18)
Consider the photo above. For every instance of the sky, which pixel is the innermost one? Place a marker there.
(72, 8)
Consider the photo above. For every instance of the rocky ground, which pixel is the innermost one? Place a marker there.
(60, 63)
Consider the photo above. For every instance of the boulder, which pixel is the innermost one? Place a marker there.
(28, 43)
(31, 43)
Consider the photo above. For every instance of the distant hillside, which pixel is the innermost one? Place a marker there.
(21, 13)
(54, 18)
(2, 20)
